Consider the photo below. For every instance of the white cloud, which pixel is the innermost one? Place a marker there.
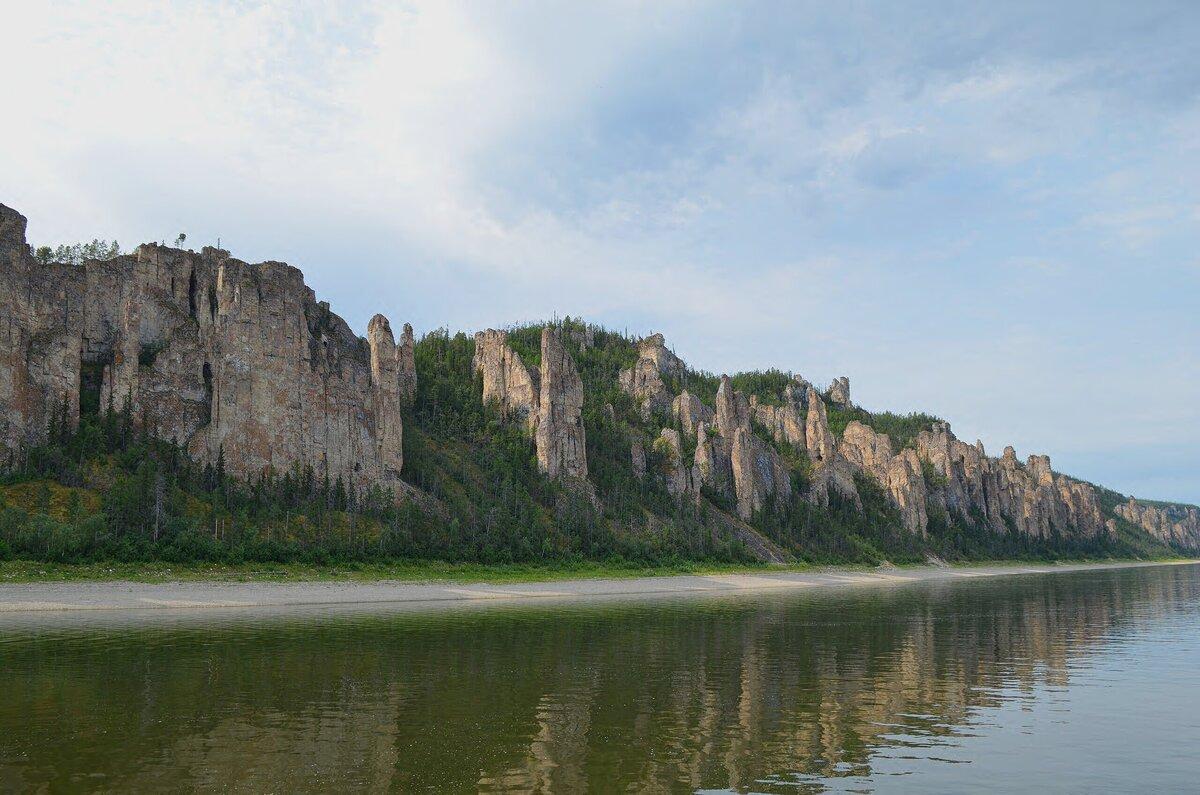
(827, 192)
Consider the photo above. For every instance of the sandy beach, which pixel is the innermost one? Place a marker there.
(130, 596)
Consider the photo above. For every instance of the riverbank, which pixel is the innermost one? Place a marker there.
(123, 595)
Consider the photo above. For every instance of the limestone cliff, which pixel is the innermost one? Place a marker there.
(644, 381)
(839, 391)
(549, 401)
(831, 470)
(240, 362)
(899, 474)
(669, 447)
(506, 379)
(784, 422)
(735, 459)
(561, 442)
(1171, 524)
(1003, 491)
(689, 412)
(225, 357)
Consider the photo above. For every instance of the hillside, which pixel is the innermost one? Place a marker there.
(190, 406)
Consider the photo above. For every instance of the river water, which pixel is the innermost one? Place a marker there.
(1074, 682)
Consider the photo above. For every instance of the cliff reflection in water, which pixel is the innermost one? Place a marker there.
(764, 693)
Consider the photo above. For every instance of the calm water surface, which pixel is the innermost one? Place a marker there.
(1068, 682)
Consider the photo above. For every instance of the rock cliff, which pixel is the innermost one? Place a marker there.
(224, 357)
(644, 381)
(669, 447)
(690, 413)
(839, 391)
(1171, 524)
(241, 362)
(1030, 497)
(785, 422)
(549, 401)
(506, 379)
(898, 473)
(731, 459)
(561, 442)
(831, 470)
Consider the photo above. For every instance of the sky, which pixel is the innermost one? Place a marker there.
(986, 211)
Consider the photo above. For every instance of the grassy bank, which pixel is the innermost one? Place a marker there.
(24, 571)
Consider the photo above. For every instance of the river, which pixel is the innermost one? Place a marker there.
(1073, 682)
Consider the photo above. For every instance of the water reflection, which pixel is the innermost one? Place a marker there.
(917, 687)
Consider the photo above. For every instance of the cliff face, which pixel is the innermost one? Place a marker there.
(732, 460)
(224, 357)
(644, 381)
(1171, 524)
(899, 474)
(548, 401)
(786, 421)
(240, 361)
(506, 379)
(561, 442)
(41, 332)
(1030, 496)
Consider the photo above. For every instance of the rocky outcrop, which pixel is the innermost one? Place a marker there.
(644, 381)
(506, 379)
(549, 401)
(561, 444)
(839, 391)
(637, 456)
(240, 362)
(389, 392)
(41, 327)
(406, 356)
(1030, 497)
(830, 470)
(669, 447)
(899, 474)
(227, 358)
(784, 422)
(711, 467)
(821, 445)
(755, 470)
(584, 336)
(689, 412)
(1177, 525)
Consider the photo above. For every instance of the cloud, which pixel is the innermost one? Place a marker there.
(987, 211)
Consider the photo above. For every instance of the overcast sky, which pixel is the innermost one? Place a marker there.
(989, 212)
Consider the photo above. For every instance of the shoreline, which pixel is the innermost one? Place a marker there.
(123, 595)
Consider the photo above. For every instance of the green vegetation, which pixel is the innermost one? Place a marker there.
(766, 385)
(902, 428)
(18, 571)
(105, 496)
(77, 253)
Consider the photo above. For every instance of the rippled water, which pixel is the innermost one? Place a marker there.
(1067, 682)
